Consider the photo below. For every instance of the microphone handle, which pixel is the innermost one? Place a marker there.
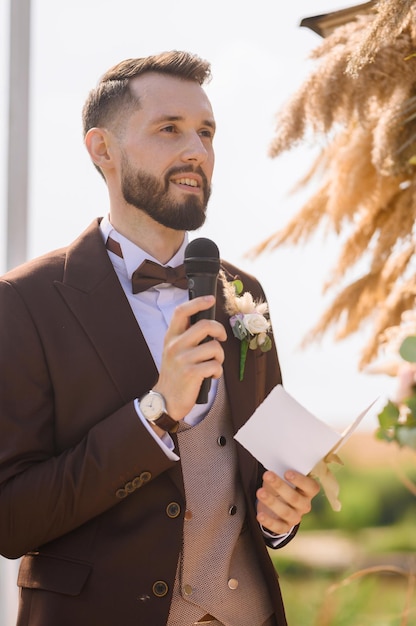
(203, 285)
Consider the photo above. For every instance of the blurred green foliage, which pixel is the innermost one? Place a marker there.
(379, 515)
(368, 601)
(370, 498)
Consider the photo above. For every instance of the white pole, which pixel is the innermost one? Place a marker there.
(17, 211)
(8, 591)
(18, 145)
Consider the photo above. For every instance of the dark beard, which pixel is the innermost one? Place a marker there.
(149, 194)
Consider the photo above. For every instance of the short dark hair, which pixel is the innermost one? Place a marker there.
(113, 95)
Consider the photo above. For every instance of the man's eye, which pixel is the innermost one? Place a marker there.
(168, 129)
(207, 133)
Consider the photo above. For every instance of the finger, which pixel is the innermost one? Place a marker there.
(276, 524)
(305, 484)
(276, 486)
(208, 351)
(295, 482)
(202, 361)
(289, 508)
(212, 329)
(189, 348)
(182, 314)
(287, 501)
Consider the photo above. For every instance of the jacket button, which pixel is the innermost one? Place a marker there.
(145, 476)
(232, 510)
(137, 482)
(160, 588)
(129, 487)
(121, 493)
(173, 510)
(221, 441)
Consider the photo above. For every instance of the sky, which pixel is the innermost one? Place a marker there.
(259, 57)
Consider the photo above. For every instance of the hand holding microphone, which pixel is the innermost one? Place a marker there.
(202, 264)
(185, 344)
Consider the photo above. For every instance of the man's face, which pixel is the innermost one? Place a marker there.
(166, 149)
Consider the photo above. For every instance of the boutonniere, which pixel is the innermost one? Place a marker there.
(248, 319)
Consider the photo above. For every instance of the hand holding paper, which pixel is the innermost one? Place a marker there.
(282, 502)
(296, 440)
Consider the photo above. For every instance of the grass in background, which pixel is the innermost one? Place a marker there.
(362, 598)
(374, 581)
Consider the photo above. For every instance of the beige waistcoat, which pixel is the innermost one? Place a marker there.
(218, 572)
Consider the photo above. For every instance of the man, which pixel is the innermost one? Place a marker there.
(121, 518)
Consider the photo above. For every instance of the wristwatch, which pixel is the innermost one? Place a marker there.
(153, 407)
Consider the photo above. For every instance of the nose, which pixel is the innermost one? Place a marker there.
(194, 149)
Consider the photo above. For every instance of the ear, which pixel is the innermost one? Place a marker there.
(98, 144)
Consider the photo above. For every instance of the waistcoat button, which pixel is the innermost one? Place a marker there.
(221, 441)
(173, 510)
(233, 583)
(160, 588)
(232, 510)
(187, 589)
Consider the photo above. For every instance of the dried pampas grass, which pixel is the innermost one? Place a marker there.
(361, 99)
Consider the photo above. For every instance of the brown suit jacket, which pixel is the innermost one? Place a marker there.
(85, 492)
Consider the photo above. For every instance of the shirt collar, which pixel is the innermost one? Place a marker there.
(133, 255)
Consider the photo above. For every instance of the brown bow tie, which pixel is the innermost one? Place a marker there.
(149, 273)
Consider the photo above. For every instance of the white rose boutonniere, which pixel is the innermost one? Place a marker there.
(248, 318)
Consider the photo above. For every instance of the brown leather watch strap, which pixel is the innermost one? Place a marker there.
(165, 422)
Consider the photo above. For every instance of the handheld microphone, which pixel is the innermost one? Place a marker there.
(202, 264)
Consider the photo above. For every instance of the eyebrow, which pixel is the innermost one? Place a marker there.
(179, 118)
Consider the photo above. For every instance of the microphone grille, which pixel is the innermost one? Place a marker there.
(202, 247)
(202, 257)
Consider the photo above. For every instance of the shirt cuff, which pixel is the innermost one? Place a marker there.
(275, 540)
(165, 442)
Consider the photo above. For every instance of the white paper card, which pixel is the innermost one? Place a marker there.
(281, 434)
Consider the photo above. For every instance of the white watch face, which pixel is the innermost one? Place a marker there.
(152, 406)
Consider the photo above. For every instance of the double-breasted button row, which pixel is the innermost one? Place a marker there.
(133, 484)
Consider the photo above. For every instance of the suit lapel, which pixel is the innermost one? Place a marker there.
(92, 291)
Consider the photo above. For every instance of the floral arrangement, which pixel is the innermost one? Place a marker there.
(248, 318)
(397, 420)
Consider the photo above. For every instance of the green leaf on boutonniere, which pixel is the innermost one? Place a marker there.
(238, 286)
(239, 330)
(266, 345)
(243, 356)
